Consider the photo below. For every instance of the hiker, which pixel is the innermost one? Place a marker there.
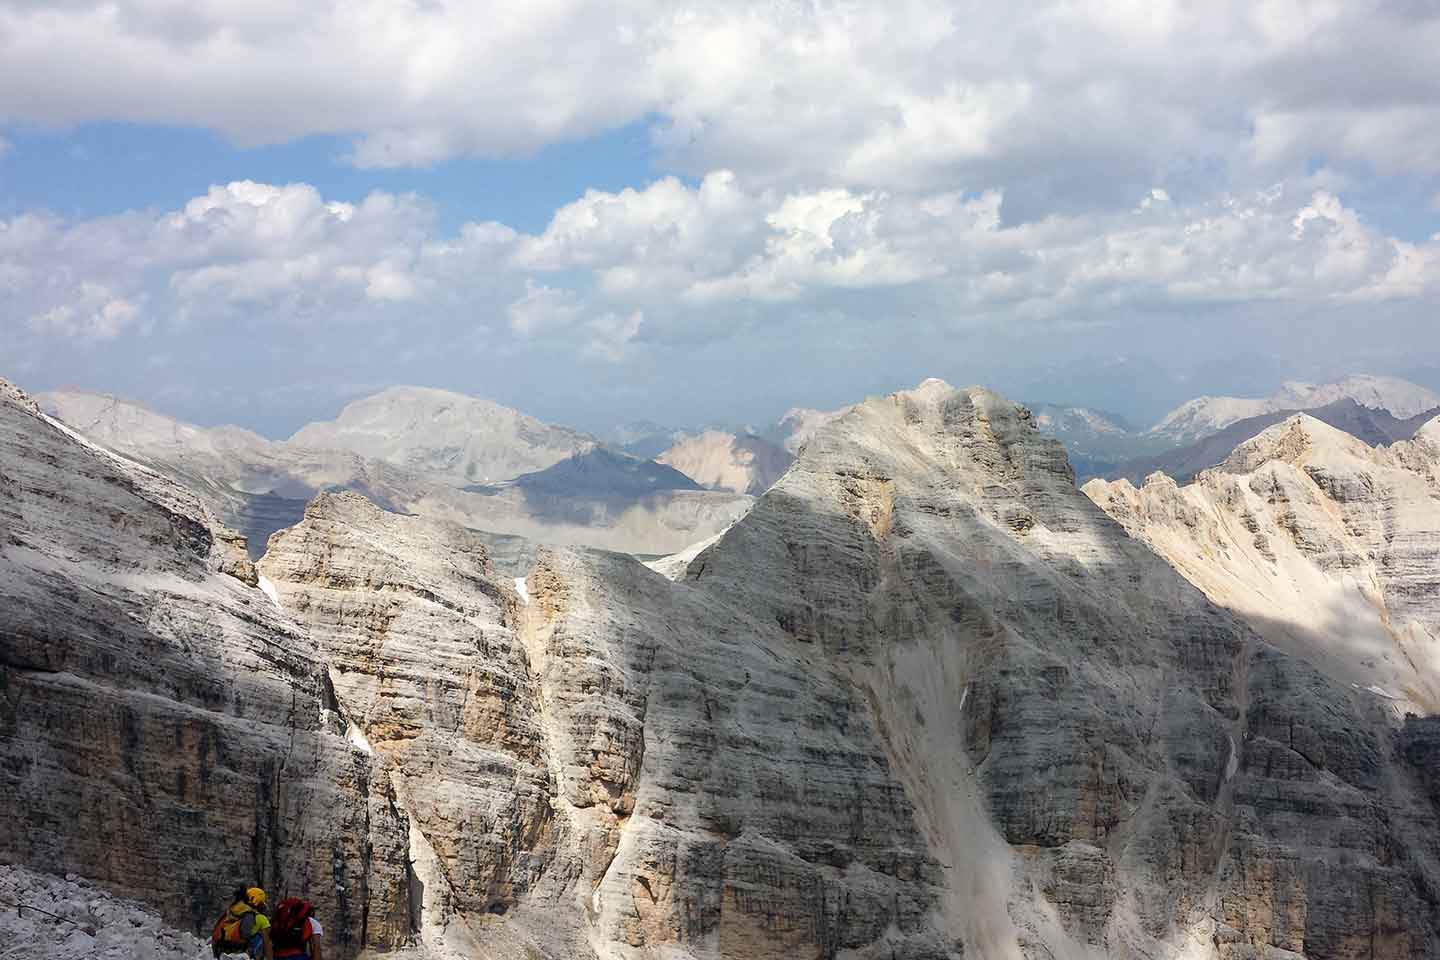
(243, 927)
(294, 931)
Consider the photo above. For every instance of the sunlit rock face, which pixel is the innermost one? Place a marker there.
(925, 700)
(1330, 547)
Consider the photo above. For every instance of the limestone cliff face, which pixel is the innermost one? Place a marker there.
(925, 700)
(163, 730)
(420, 643)
(1331, 549)
(928, 681)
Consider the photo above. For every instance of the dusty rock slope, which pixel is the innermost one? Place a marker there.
(925, 700)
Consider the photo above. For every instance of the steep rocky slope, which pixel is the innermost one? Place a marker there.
(719, 460)
(1329, 546)
(419, 637)
(924, 701)
(445, 435)
(163, 729)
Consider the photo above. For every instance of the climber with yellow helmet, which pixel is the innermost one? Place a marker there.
(244, 927)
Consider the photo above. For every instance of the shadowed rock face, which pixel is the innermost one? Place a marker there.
(925, 700)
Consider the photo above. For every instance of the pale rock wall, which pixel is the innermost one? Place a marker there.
(418, 635)
(162, 728)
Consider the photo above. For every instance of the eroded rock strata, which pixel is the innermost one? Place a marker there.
(163, 729)
(925, 700)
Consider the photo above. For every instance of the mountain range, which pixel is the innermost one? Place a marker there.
(1200, 432)
(923, 699)
(408, 449)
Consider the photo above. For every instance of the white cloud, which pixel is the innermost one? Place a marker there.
(1090, 99)
(93, 316)
(612, 270)
(672, 247)
(611, 334)
(543, 308)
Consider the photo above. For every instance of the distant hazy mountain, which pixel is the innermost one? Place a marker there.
(586, 495)
(1204, 416)
(1201, 432)
(1137, 388)
(643, 438)
(445, 435)
(1372, 426)
(600, 472)
(1085, 430)
(719, 460)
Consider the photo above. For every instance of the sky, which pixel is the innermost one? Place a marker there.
(254, 212)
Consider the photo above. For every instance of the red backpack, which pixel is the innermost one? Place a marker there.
(289, 929)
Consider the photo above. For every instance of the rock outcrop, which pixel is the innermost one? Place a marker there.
(798, 425)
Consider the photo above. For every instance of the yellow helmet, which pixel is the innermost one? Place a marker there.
(255, 897)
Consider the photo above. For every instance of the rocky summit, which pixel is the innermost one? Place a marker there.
(925, 700)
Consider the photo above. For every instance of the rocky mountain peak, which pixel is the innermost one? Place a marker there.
(928, 433)
(1296, 441)
(10, 393)
(459, 438)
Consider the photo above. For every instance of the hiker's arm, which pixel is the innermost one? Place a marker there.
(317, 951)
(266, 950)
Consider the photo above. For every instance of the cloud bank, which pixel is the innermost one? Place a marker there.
(612, 271)
(854, 186)
(920, 92)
